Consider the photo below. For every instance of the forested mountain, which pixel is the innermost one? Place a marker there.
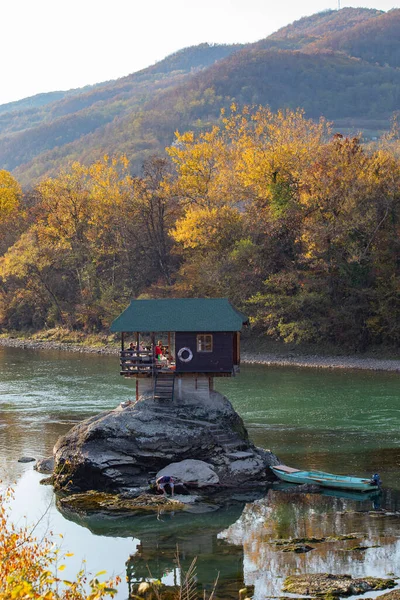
(28, 133)
(340, 64)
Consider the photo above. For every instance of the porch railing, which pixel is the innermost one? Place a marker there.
(133, 362)
(142, 362)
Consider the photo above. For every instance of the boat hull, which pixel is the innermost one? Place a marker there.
(325, 479)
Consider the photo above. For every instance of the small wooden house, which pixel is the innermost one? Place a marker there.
(200, 340)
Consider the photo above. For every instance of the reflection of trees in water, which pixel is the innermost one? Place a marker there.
(281, 515)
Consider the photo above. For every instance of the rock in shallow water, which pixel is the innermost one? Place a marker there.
(26, 459)
(336, 585)
(393, 595)
(122, 448)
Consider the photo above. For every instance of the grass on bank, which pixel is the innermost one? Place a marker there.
(62, 335)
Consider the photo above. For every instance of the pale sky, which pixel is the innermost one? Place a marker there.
(48, 45)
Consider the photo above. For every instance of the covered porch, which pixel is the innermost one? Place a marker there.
(139, 357)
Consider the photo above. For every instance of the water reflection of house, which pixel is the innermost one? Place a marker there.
(200, 340)
(157, 558)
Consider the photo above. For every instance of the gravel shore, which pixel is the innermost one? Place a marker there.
(284, 360)
(323, 362)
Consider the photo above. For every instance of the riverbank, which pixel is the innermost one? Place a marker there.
(288, 359)
(322, 362)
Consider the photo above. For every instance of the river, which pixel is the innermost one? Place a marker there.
(342, 421)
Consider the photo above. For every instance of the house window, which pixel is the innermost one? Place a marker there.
(205, 343)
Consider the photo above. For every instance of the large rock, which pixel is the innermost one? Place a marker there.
(190, 471)
(124, 447)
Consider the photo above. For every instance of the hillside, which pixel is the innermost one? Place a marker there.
(326, 22)
(25, 134)
(373, 40)
(324, 63)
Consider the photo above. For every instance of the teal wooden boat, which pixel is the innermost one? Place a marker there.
(326, 479)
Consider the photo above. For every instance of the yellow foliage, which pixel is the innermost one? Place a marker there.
(10, 195)
(251, 162)
(81, 205)
(208, 227)
(25, 256)
(28, 567)
(203, 167)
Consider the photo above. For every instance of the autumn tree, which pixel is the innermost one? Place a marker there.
(99, 238)
(11, 211)
(238, 186)
(349, 201)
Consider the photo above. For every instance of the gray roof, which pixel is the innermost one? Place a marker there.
(180, 314)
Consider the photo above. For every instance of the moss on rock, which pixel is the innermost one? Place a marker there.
(393, 595)
(298, 548)
(323, 584)
(93, 501)
(303, 540)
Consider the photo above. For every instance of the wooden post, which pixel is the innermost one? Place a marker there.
(137, 389)
(169, 346)
(153, 343)
(122, 341)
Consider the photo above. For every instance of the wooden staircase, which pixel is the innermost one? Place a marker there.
(164, 384)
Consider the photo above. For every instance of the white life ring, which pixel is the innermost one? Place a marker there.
(189, 356)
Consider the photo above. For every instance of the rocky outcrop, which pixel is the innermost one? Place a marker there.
(335, 585)
(125, 447)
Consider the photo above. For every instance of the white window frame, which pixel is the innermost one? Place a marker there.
(204, 345)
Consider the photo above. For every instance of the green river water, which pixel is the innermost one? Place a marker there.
(340, 421)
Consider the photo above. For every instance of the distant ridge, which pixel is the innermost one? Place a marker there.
(39, 100)
(327, 21)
